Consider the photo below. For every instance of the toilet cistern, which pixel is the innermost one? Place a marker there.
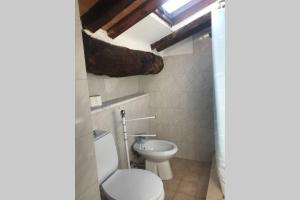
(124, 120)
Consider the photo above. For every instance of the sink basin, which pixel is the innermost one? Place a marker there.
(157, 154)
(156, 150)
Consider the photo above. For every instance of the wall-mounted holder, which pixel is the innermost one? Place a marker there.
(95, 100)
(132, 135)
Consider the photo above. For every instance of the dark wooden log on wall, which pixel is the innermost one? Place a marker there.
(203, 24)
(106, 59)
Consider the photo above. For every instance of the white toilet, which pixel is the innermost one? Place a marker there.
(123, 184)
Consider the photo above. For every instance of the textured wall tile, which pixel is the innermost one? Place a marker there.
(181, 96)
(91, 194)
(85, 169)
(83, 123)
(111, 88)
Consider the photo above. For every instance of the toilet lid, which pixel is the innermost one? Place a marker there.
(133, 184)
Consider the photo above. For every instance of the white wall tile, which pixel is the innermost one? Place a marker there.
(91, 194)
(112, 88)
(83, 123)
(181, 97)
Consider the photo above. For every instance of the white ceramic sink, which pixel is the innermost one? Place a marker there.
(156, 150)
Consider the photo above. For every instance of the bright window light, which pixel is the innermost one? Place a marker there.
(172, 5)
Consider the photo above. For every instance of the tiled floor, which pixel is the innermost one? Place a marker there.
(190, 180)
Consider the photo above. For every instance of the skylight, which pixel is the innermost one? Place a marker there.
(172, 5)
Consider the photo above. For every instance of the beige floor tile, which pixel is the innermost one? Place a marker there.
(177, 175)
(171, 185)
(182, 196)
(201, 191)
(178, 164)
(190, 179)
(169, 195)
(199, 177)
(189, 188)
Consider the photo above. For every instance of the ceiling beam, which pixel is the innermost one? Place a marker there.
(103, 12)
(201, 24)
(129, 9)
(134, 17)
(85, 5)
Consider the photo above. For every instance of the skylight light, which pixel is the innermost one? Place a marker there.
(172, 5)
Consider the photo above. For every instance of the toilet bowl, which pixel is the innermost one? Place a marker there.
(157, 154)
(133, 184)
(123, 184)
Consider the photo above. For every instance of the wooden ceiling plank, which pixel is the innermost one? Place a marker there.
(102, 12)
(201, 24)
(123, 14)
(85, 5)
(134, 17)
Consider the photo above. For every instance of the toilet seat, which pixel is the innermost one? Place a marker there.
(133, 184)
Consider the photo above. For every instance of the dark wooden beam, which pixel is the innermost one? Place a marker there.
(102, 58)
(85, 5)
(131, 19)
(103, 12)
(199, 25)
(129, 9)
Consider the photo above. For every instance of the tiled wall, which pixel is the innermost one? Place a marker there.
(181, 96)
(110, 120)
(111, 88)
(86, 182)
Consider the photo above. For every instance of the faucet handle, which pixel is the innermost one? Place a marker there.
(140, 139)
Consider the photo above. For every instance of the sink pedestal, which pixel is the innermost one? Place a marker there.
(162, 169)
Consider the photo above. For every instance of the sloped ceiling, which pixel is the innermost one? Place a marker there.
(149, 29)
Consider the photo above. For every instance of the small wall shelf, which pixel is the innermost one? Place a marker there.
(117, 102)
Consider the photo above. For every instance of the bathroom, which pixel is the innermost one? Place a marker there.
(179, 104)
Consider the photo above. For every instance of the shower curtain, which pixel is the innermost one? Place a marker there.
(218, 44)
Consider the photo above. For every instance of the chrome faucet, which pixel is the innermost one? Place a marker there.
(140, 139)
